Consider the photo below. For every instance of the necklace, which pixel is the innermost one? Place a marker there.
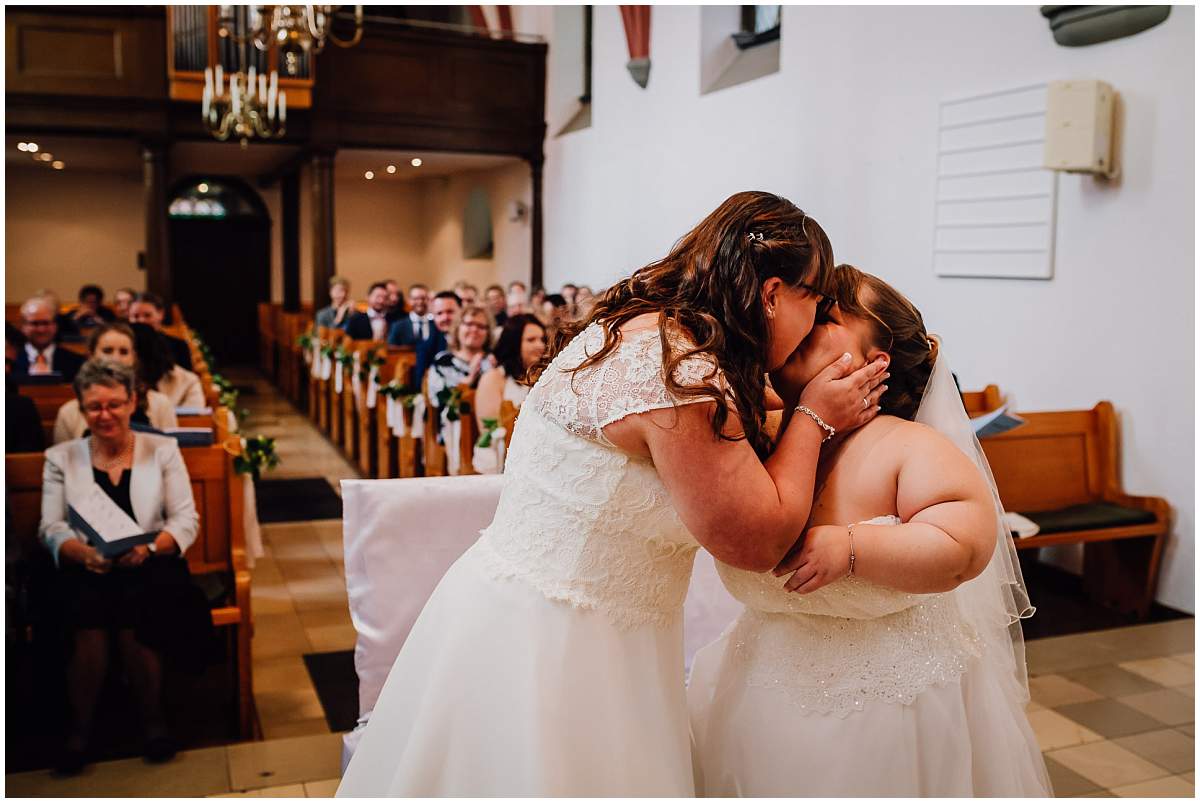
(107, 464)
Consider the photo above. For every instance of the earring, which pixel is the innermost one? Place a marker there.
(771, 312)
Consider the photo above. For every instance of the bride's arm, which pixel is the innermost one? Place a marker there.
(948, 536)
(745, 512)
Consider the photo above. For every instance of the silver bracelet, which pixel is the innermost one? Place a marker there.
(829, 431)
(850, 531)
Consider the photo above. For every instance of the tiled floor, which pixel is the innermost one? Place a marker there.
(1113, 710)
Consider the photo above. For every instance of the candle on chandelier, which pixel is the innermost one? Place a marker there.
(282, 108)
(220, 81)
(272, 96)
(206, 99)
(235, 94)
(262, 88)
(252, 81)
(208, 79)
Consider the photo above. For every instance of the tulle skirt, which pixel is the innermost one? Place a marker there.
(968, 738)
(500, 691)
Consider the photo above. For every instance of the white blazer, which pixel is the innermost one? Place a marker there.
(159, 489)
(70, 423)
(182, 387)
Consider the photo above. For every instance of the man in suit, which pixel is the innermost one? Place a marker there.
(417, 325)
(376, 321)
(496, 303)
(22, 424)
(445, 309)
(40, 356)
(150, 309)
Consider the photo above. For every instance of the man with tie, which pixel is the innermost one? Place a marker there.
(445, 308)
(376, 321)
(417, 325)
(40, 356)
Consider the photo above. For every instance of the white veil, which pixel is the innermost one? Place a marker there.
(995, 602)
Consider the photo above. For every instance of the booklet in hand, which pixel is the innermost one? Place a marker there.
(996, 422)
(107, 528)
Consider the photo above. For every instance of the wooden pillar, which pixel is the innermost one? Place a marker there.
(324, 257)
(535, 274)
(289, 190)
(158, 252)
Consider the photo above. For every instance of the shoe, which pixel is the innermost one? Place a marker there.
(70, 762)
(160, 749)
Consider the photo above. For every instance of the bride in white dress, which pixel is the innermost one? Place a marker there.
(549, 660)
(890, 662)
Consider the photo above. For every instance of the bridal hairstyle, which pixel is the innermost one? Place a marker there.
(710, 287)
(898, 329)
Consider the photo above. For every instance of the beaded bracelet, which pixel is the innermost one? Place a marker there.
(829, 431)
(850, 531)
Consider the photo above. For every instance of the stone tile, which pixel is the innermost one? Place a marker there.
(272, 600)
(1109, 718)
(288, 790)
(300, 727)
(1163, 671)
(1166, 748)
(1189, 690)
(1187, 730)
(258, 765)
(327, 788)
(1161, 787)
(1111, 681)
(1107, 765)
(1166, 705)
(193, 773)
(1055, 690)
(277, 636)
(1055, 731)
(1034, 705)
(1190, 777)
(1188, 658)
(325, 617)
(1101, 793)
(288, 705)
(332, 638)
(1066, 782)
(281, 674)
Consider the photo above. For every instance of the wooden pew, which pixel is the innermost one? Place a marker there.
(469, 432)
(433, 453)
(220, 547)
(354, 407)
(266, 339)
(47, 399)
(395, 457)
(1061, 460)
(978, 402)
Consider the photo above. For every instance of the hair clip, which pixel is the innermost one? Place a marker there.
(755, 235)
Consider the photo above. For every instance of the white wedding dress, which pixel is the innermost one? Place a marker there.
(549, 660)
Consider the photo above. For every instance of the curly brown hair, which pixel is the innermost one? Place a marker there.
(897, 328)
(709, 287)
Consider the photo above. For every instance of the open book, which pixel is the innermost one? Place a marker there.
(995, 422)
(105, 525)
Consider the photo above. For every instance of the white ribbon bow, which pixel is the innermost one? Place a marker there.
(372, 387)
(418, 425)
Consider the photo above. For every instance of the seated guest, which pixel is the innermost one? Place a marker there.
(22, 424)
(417, 325)
(41, 356)
(518, 300)
(584, 299)
(569, 291)
(466, 357)
(536, 300)
(151, 309)
(91, 311)
(493, 299)
(121, 301)
(395, 302)
(115, 342)
(467, 293)
(142, 598)
(555, 311)
(377, 320)
(340, 306)
(521, 344)
(67, 330)
(158, 370)
(445, 308)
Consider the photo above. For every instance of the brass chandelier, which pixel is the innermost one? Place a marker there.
(295, 30)
(249, 105)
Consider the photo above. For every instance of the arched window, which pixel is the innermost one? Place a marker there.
(213, 199)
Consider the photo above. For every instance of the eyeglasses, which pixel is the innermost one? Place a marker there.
(824, 305)
(112, 408)
(475, 325)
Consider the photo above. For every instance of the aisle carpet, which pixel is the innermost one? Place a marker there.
(297, 500)
(336, 683)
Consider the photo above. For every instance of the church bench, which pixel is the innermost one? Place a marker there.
(1062, 470)
(978, 402)
(217, 559)
(396, 457)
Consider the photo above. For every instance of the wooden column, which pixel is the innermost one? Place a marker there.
(289, 190)
(324, 258)
(158, 252)
(535, 273)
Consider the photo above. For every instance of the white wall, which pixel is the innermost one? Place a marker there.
(64, 229)
(378, 233)
(847, 130)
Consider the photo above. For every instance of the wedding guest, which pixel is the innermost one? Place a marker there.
(143, 598)
(521, 344)
(114, 342)
(395, 305)
(340, 308)
(467, 293)
(158, 370)
(377, 320)
(518, 299)
(149, 308)
(91, 310)
(465, 358)
(41, 356)
(536, 299)
(493, 298)
(445, 308)
(22, 424)
(417, 326)
(121, 301)
(67, 330)
(555, 311)
(584, 301)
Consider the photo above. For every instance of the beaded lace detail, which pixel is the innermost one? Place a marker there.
(580, 520)
(847, 644)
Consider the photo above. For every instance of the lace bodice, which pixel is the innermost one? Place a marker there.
(580, 520)
(846, 644)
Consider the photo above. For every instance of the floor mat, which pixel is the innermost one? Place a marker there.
(297, 500)
(336, 683)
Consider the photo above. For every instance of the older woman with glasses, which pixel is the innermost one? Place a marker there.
(143, 597)
(467, 357)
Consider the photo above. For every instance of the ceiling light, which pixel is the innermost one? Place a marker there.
(45, 157)
(58, 164)
(391, 168)
(416, 162)
(31, 147)
(369, 175)
(22, 146)
(202, 187)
